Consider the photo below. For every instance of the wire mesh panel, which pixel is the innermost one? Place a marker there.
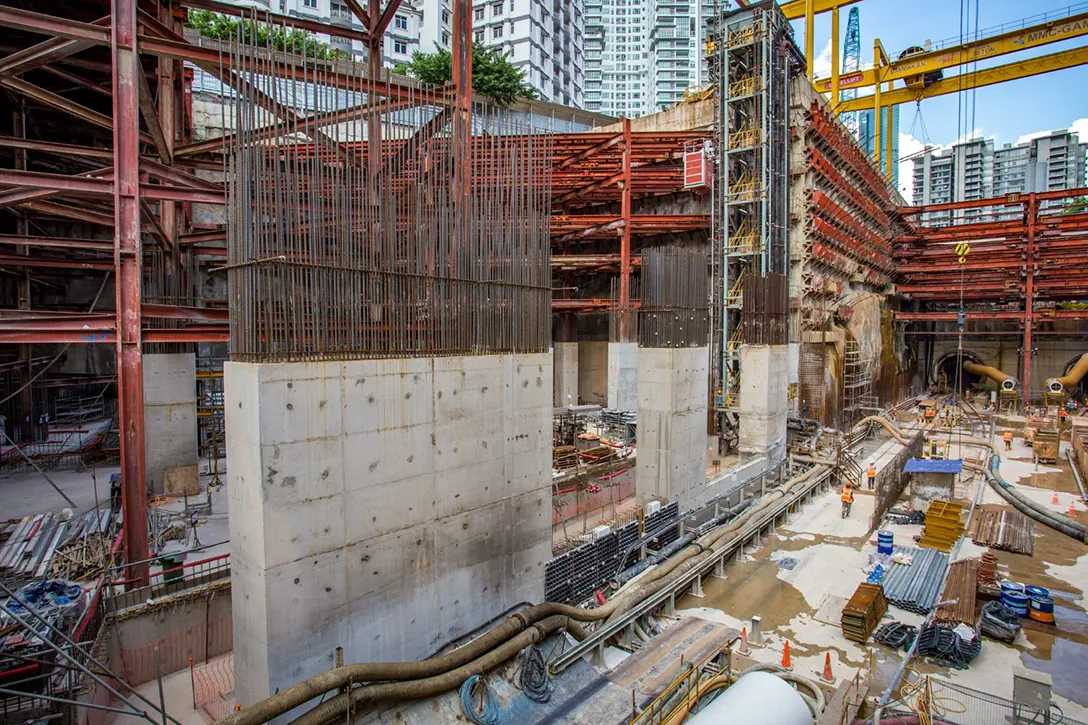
(378, 221)
(954, 703)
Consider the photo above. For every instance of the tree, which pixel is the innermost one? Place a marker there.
(299, 42)
(1076, 206)
(493, 74)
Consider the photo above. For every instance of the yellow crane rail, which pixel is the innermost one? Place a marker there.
(914, 67)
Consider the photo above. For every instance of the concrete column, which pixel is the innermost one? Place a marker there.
(385, 506)
(623, 375)
(763, 400)
(672, 414)
(593, 372)
(565, 363)
(170, 444)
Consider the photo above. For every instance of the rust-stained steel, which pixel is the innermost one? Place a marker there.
(674, 297)
(862, 613)
(765, 311)
(1005, 530)
(960, 588)
(398, 244)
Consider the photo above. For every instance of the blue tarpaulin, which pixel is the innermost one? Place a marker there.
(933, 465)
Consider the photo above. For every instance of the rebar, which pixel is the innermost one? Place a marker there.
(674, 298)
(362, 224)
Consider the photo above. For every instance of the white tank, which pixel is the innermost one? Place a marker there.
(757, 698)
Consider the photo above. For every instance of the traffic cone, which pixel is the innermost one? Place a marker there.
(1072, 510)
(827, 676)
(786, 664)
(744, 648)
(1054, 501)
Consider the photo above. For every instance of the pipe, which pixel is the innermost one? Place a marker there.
(507, 632)
(1029, 508)
(1070, 379)
(335, 708)
(1006, 381)
(888, 425)
(1076, 474)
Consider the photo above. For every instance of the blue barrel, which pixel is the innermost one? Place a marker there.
(1008, 586)
(1016, 602)
(1033, 592)
(1042, 609)
(884, 542)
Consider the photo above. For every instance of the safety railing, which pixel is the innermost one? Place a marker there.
(172, 580)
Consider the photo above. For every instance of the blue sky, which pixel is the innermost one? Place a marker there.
(1005, 112)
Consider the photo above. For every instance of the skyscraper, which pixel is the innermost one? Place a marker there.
(866, 137)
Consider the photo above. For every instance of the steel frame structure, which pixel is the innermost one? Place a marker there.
(101, 146)
(752, 60)
(1028, 255)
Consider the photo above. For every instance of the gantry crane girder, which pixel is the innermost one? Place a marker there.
(797, 8)
(975, 79)
(912, 68)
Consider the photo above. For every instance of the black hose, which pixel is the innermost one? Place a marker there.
(535, 682)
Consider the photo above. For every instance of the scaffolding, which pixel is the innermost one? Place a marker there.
(751, 58)
(857, 381)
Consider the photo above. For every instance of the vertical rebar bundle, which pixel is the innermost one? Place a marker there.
(357, 227)
(674, 298)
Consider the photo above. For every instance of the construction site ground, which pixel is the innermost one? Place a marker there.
(800, 578)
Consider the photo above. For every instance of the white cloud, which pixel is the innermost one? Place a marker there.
(908, 146)
(1080, 127)
(1037, 134)
(822, 65)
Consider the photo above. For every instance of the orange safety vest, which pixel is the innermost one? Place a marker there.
(872, 471)
(1008, 436)
(847, 495)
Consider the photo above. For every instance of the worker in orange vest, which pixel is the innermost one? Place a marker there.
(1008, 440)
(872, 475)
(847, 499)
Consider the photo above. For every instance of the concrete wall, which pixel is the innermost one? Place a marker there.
(169, 414)
(593, 372)
(1051, 357)
(565, 365)
(672, 419)
(623, 375)
(763, 398)
(386, 506)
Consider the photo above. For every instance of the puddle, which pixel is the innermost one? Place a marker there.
(1067, 664)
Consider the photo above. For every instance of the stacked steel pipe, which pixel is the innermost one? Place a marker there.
(915, 587)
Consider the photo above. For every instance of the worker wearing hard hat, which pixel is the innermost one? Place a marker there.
(1008, 440)
(871, 475)
(847, 499)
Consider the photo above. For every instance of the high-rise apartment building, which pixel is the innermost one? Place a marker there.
(544, 39)
(643, 55)
(977, 170)
(866, 137)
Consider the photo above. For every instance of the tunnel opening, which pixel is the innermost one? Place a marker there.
(950, 366)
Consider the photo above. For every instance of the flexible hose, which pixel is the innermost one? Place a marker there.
(513, 629)
(1006, 381)
(1070, 380)
(888, 425)
(488, 712)
(535, 681)
(335, 708)
(782, 673)
(1029, 508)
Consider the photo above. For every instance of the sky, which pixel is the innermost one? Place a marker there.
(1007, 112)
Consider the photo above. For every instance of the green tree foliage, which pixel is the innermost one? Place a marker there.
(299, 42)
(493, 74)
(1076, 206)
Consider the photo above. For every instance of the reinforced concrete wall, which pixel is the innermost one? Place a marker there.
(169, 415)
(385, 506)
(672, 419)
(763, 401)
(593, 372)
(565, 365)
(623, 364)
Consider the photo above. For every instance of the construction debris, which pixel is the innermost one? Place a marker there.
(960, 587)
(44, 543)
(943, 527)
(863, 611)
(915, 587)
(1005, 530)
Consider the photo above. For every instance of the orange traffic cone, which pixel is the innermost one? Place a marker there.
(1072, 509)
(786, 664)
(827, 676)
(1054, 501)
(744, 648)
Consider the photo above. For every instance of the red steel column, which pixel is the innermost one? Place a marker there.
(128, 260)
(1031, 211)
(625, 237)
